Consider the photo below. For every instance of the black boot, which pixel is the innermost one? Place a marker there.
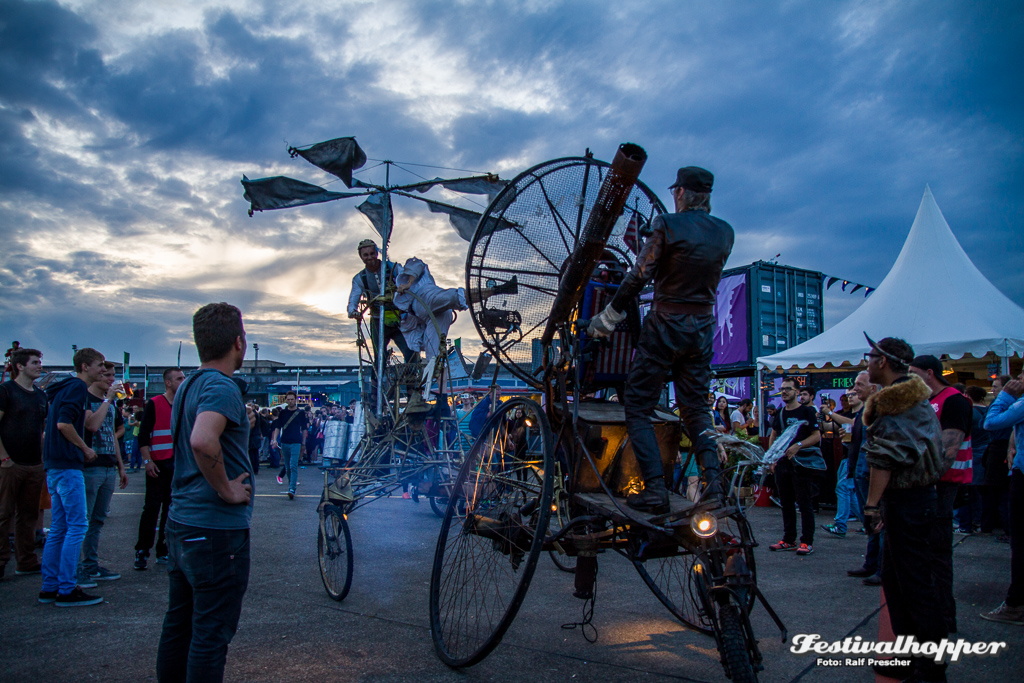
(653, 498)
(510, 287)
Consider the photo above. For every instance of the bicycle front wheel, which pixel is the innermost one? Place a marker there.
(492, 533)
(334, 551)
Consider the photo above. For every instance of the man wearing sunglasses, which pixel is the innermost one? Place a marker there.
(903, 447)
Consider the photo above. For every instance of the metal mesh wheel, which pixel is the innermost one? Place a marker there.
(529, 231)
(492, 534)
(334, 551)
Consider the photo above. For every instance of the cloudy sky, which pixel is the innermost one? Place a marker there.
(125, 127)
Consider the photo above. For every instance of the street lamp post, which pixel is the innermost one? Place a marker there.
(255, 364)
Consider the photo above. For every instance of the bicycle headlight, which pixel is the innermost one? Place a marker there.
(704, 525)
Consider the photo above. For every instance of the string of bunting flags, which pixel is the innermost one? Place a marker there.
(831, 280)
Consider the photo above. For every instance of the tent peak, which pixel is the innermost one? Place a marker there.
(933, 296)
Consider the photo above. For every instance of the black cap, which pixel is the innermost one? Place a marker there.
(694, 178)
(930, 363)
(902, 358)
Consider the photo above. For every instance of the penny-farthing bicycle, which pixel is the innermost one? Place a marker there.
(553, 479)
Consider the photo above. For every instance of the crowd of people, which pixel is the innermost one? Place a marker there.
(920, 459)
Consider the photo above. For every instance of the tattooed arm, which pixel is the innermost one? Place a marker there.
(205, 443)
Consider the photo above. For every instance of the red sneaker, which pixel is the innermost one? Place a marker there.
(805, 549)
(782, 545)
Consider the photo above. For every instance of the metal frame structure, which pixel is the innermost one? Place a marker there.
(395, 449)
(535, 462)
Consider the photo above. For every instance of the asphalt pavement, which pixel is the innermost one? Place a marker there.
(290, 630)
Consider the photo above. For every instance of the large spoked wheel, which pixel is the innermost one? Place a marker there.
(492, 533)
(529, 233)
(334, 550)
(672, 581)
(735, 655)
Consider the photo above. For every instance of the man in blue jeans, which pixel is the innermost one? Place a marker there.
(290, 431)
(102, 423)
(846, 494)
(1008, 411)
(64, 456)
(211, 505)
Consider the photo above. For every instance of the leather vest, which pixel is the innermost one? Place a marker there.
(697, 246)
(161, 446)
(961, 471)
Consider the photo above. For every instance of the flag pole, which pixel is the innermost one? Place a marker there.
(381, 342)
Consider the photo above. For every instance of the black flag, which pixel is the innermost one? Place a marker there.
(281, 192)
(489, 185)
(338, 157)
(379, 214)
(465, 221)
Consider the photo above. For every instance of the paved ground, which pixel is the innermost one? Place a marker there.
(291, 631)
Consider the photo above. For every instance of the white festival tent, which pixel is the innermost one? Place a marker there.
(934, 297)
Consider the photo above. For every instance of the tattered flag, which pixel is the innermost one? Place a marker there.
(338, 157)
(489, 185)
(464, 221)
(281, 192)
(378, 209)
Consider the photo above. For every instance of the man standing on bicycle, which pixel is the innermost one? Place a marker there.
(366, 283)
(684, 256)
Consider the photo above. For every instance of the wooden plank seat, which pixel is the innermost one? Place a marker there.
(601, 504)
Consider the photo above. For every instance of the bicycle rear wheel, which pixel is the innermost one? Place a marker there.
(334, 551)
(492, 534)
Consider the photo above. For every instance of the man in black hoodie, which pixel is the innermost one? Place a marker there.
(64, 456)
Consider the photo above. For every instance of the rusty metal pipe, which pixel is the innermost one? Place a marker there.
(611, 199)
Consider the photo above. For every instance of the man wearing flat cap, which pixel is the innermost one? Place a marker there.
(684, 255)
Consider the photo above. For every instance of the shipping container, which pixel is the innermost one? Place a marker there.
(764, 308)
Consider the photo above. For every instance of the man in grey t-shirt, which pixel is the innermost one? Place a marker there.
(211, 505)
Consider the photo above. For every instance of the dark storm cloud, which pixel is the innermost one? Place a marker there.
(822, 121)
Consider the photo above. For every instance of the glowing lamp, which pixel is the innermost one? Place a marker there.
(705, 525)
